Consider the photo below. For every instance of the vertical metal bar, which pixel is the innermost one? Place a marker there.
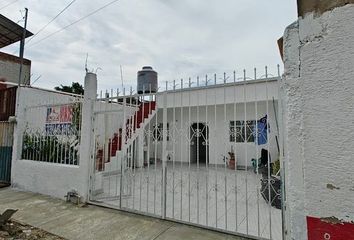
(206, 154)
(132, 145)
(108, 139)
(135, 162)
(173, 139)
(257, 153)
(117, 156)
(268, 156)
(148, 147)
(155, 135)
(164, 152)
(122, 149)
(65, 138)
(215, 156)
(181, 150)
(235, 152)
(189, 152)
(142, 167)
(245, 125)
(225, 152)
(198, 156)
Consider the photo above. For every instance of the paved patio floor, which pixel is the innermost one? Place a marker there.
(91, 222)
(218, 198)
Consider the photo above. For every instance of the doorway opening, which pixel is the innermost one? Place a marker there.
(199, 145)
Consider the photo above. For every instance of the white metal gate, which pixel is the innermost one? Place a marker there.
(205, 155)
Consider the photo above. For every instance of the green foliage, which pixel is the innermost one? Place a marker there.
(48, 149)
(75, 88)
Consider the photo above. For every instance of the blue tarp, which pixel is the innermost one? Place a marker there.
(262, 131)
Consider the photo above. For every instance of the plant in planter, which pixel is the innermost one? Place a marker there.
(232, 159)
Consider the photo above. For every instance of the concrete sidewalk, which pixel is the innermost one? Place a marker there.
(72, 222)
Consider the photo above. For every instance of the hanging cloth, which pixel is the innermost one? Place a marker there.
(262, 130)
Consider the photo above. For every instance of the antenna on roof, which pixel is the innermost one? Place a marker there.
(121, 76)
(86, 69)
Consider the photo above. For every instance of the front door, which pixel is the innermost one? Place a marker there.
(199, 143)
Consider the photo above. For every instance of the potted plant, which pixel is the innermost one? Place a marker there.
(232, 159)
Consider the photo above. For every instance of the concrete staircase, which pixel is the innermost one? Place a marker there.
(134, 128)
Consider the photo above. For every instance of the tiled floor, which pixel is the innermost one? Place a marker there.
(216, 197)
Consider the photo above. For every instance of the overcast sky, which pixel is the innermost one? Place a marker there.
(179, 38)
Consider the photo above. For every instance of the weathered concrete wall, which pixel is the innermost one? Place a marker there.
(319, 6)
(10, 69)
(317, 92)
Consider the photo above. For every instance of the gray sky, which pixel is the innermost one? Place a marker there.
(179, 38)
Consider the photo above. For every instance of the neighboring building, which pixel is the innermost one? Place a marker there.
(10, 69)
(10, 33)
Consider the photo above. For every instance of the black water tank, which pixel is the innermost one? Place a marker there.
(147, 80)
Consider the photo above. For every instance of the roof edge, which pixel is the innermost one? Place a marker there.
(13, 58)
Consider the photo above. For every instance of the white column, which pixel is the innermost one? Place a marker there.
(86, 161)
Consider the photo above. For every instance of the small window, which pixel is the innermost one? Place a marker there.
(158, 132)
(238, 132)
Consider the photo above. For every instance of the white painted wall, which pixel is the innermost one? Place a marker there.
(50, 178)
(41, 177)
(220, 143)
(246, 91)
(317, 90)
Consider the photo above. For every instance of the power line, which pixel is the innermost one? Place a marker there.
(75, 22)
(45, 26)
(9, 4)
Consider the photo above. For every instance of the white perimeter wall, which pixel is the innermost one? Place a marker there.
(41, 177)
(318, 89)
(219, 137)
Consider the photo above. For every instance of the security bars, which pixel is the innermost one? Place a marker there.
(203, 155)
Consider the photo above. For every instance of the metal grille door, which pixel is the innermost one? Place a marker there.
(207, 155)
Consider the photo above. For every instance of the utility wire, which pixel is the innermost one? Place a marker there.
(45, 26)
(75, 22)
(9, 4)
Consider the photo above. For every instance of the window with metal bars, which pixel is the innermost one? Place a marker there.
(239, 133)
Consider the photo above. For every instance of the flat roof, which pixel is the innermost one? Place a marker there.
(10, 32)
(220, 85)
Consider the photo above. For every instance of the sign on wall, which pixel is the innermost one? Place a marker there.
(329, 229)
(59, 120)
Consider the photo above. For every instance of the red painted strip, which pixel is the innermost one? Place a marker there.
(321, 230)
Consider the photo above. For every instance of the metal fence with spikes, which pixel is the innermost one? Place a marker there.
(203, 151)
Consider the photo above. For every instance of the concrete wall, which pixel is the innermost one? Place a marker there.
(219, 136)
(41, 177)
(51, 178)
(319, 6)
(239, 92)
(10, 69)
(234, 96)
(317, 93)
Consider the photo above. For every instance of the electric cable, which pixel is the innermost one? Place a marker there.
(53, 19)
(73, 23)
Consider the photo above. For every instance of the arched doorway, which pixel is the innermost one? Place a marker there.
(199, 145)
